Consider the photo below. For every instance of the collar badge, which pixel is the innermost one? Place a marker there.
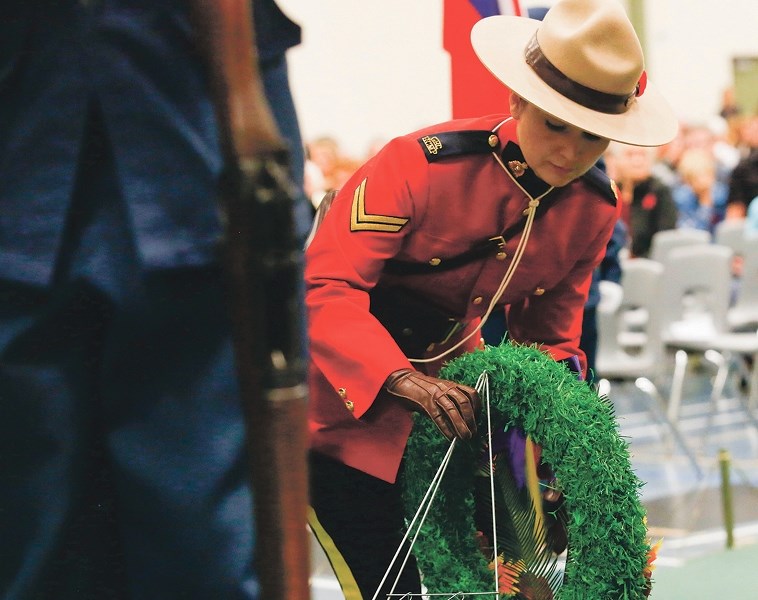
(517, 167)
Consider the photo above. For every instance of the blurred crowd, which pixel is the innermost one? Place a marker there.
(707, 174)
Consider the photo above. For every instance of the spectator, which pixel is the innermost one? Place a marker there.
(743, 183)
(646, 204)
(725, 150)
(666, 159)
(325, 153)
(700, 198)
(711, 136)
(314, 184)
(729, 107)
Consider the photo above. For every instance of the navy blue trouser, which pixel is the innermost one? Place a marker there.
(122, 458)
(358, 520)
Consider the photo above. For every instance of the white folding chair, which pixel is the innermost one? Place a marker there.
(640, 279)
(664, 241)
(730, 233)
(643, 365)
(693, 305)
(743, 314)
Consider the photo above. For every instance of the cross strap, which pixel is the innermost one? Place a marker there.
(476, 252)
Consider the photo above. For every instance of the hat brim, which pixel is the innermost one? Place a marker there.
(500, 41)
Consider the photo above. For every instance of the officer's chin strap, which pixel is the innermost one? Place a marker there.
(531, 211)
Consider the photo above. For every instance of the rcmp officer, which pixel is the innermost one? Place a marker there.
(121, 439)
(442, 227)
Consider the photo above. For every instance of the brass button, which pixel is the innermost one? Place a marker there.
(349, 405)
(477, 300)
(407, 331)
(501, 256)
(493, 141)
(342, 392)
(430, 347)
(539, 291)
(435, 261)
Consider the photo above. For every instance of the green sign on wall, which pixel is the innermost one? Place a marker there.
(746, 83)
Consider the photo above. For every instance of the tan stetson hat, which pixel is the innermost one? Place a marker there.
(582, 64)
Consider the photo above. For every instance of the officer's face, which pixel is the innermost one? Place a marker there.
(556, 151)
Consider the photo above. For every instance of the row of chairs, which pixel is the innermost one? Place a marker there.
(682, 301)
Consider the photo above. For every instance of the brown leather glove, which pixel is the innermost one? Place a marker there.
(452, 407)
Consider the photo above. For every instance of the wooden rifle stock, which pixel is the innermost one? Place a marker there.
(263, 260)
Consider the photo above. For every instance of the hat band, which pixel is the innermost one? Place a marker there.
(614, 104)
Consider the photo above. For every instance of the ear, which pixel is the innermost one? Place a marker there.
(517, 104)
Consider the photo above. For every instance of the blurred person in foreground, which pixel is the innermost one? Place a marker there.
(441, 227)
(124, 468)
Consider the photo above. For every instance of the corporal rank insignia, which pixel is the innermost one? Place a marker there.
(360, 220)
(455, 143)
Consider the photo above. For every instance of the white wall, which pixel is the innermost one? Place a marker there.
(690, 48)
(368, 69)
(372, 69)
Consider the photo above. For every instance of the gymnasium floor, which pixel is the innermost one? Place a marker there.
(684, 507)
(687, 509)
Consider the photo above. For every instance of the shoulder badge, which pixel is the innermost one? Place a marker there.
(597, 179)
(361, 220)
(437, 146)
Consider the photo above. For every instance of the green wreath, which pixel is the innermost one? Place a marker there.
(608, 549)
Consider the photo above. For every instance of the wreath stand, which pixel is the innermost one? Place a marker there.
(609, 555)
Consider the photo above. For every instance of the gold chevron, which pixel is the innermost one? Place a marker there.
(360, 220)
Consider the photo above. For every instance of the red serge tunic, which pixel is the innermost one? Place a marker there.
(428, 197)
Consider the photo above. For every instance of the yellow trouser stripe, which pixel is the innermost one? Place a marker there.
(340, 567)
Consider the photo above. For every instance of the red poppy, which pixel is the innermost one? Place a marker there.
(641, 84)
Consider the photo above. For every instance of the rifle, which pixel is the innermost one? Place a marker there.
(264, 265)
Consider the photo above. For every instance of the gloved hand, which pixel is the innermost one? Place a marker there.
(452, 407)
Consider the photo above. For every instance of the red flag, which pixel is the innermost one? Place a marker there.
(475, 91)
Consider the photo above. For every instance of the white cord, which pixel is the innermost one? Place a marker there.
(484, 383)
(428, 497)
(531, 211)
(483, 388)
